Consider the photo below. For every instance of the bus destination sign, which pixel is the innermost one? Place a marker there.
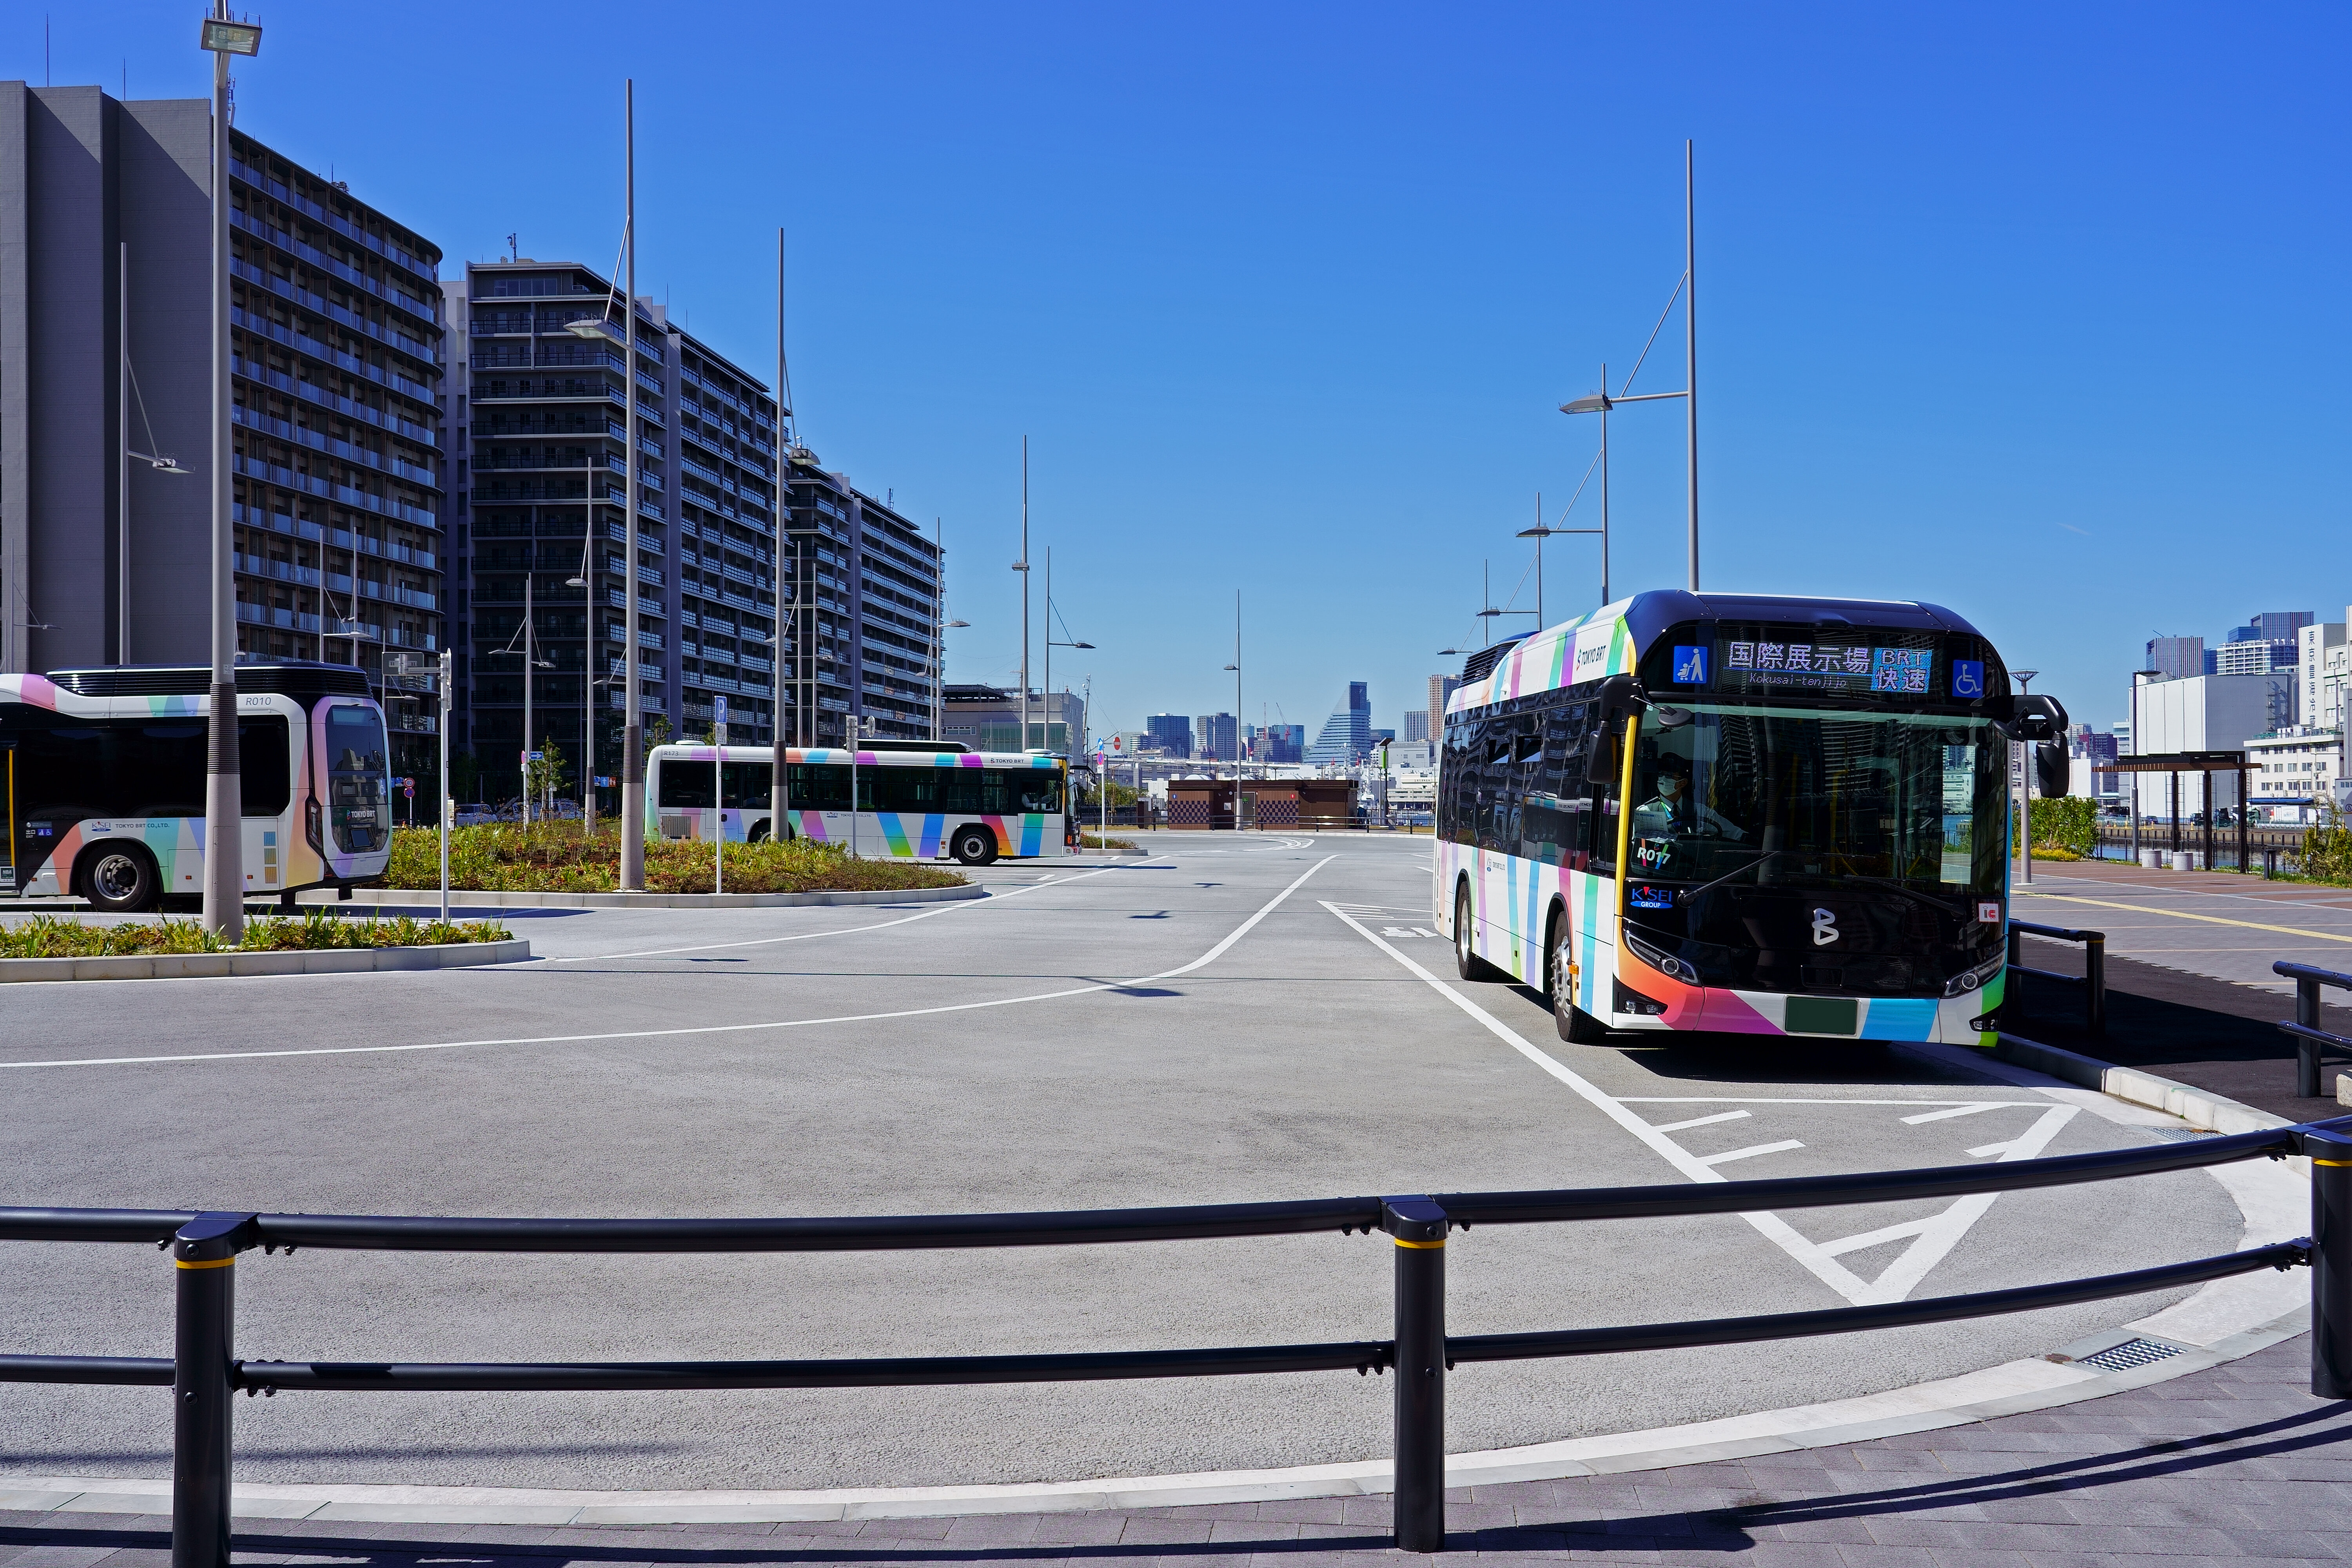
(1828, 666)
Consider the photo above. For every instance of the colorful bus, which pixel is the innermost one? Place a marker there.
(1752, 815)
(916, 799)
(102, 777)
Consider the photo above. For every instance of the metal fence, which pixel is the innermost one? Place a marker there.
(204, 1372)
(2310, 1040)
(2093, 980)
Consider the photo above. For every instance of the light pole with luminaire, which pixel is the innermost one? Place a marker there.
(223, 892)
(586, 583)
(1237, 668)
(633, 725)
(125, 384)
(1601, 403)
(1021, 566)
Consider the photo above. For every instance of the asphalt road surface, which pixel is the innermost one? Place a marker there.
(1233, 1020)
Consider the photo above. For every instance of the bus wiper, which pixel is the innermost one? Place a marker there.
(1762, 856)
(1927, 898)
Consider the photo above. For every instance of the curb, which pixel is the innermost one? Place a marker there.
(2198, 1107)
(414, 898)
(208, 965)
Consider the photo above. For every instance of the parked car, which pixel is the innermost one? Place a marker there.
(475, 813)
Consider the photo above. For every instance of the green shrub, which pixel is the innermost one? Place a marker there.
(49, 936)
(557, 858)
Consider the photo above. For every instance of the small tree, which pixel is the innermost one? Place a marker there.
(656, 734)
(2328, 843)
(548, 776)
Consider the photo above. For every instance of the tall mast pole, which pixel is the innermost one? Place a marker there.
(1690, 351)
(776, 648)
(224, 902)
(122, 460)
(1023, 569)
(633, 714)
(1604, 483)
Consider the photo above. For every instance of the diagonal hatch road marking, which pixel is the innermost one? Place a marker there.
(1936, 1237)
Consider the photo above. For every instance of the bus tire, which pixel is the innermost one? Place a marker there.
(974, 847)
(119, 878)
(1576, 1025)
(1467, 961)
(758, 833)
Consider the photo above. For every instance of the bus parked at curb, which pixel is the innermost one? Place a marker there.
(914, 799)
(102, 782)
(1769, 817)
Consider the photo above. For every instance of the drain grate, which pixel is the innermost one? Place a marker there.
(2128, 1354)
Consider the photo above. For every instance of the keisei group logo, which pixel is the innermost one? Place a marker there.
(1690, 665)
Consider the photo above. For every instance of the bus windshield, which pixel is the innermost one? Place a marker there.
(356, 804)
(1805, 796)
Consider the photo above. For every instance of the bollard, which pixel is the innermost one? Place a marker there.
(1419, 1228)
(203, 1259)
(2331, 1263)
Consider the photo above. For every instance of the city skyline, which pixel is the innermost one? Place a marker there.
(1174, 275)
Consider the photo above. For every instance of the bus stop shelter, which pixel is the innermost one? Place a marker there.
(2204, 763)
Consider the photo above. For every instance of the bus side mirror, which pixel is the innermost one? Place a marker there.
(1600, 755)
(2037, 718)
(2052, 774)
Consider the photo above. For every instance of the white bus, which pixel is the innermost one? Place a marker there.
(1752, 815)
(102, 782)
(916, 799)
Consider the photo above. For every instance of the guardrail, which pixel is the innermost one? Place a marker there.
(2310, 1039)
(204, 1373)
(2093, 978)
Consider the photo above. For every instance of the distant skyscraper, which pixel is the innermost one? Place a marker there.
(1416, 725)
(1441, 686)
(2177, 658)
(1347, 733)
(1216, 737)
(1170, 734)
(1277, 743)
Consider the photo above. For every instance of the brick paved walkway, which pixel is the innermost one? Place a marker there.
(2236, 1464)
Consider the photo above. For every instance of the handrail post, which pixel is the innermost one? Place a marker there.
(2012, 994)
(203, 1258)
(2095, 979)
(2331, 1263)
(2306, 1049)
(1419, 1228)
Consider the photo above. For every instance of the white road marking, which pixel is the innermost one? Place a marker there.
(1811, 1100)
(1750, 1153)
(1937, 1236)
(1703, 1121)
(1209, 957)
(1951, 1112)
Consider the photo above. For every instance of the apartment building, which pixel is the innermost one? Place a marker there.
(106, 403)
(539, 435)
(865, 611)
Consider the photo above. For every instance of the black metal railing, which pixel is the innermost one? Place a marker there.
(2310, 1039)
(204, 1372)
(2093, 980)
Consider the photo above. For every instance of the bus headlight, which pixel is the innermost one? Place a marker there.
(1960, 984)
(1665, 962)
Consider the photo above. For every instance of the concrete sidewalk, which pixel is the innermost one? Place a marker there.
(2236, 1464)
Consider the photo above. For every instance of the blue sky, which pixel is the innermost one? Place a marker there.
(2035, 311)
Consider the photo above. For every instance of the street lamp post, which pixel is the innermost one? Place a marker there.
(1021, 566)
(1051, 644)
(223, 892)
(125, 384)
(1601, 403)
(1237, 668)
(586, 583)
(633, 720)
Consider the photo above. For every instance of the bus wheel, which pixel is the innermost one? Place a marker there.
(974, 847)
(119, 878)
(1467, 961)
(1576, 1025)
(758, 833)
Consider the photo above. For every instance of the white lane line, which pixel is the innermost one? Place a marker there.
(1211, 956)
(1937, 1237)
(1009, 892)
(1875, 1237)
(1703, 1121)
(1948, 1114)
(1787, 1099)
(1751, 1152)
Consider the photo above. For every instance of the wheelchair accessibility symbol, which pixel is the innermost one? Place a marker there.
(1967, 678)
